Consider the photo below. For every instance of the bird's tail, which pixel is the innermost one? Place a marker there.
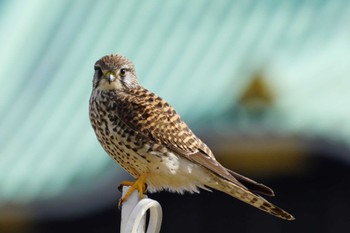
(243, 194)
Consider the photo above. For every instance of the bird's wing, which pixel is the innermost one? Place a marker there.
(252, 185)
(147, 113)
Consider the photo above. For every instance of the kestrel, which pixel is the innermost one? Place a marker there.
(146, 136)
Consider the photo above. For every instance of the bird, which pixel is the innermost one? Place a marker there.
(149, 139)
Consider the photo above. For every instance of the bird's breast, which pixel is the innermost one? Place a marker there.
(138, 154)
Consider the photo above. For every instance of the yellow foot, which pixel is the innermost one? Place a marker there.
(138, 185)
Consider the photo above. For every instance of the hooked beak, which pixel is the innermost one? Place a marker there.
(110, 78)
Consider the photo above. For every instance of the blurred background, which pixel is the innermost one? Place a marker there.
(264, 83)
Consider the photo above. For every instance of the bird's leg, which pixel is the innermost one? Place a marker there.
(138, 185)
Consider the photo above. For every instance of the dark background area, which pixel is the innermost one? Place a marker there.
(319, 200)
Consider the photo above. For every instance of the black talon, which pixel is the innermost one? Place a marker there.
(120, 204)
(145, 188)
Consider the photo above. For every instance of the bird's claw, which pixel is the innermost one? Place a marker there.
(138, 185)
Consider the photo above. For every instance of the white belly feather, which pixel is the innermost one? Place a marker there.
(176, 174)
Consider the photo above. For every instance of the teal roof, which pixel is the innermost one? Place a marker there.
(198, 55)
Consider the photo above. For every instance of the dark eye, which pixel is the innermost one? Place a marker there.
(122, 72)
(98, 70)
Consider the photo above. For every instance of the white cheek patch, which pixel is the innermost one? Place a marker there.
(128, 81)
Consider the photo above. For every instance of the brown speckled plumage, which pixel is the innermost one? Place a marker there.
(146, 136)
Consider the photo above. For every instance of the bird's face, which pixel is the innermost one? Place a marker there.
(114, 72)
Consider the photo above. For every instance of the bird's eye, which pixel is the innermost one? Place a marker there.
(98, 70)
(122, 72)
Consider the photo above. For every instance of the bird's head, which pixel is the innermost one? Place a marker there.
(114, 72)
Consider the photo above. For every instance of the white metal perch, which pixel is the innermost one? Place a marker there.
(134, 213)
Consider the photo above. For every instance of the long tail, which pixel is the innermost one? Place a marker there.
(243, 194)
